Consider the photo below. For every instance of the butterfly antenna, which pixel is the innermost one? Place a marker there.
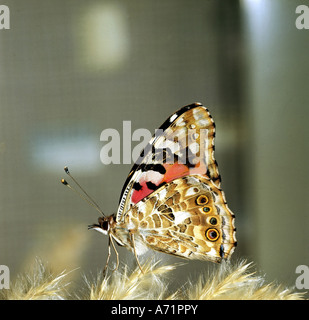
(84, 195)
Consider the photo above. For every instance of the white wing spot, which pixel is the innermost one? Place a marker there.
(180, 123)
(196, 114)
(141, 206)
(194, 147)
(191, 191)
(173, 117)
(203, 122)
(180, 216)
(162, 194)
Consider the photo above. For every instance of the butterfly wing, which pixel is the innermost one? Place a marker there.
(187, 217)
(183, 145)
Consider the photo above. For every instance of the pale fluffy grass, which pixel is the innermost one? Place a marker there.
(237, 281)
(37, 284)
(125, 285)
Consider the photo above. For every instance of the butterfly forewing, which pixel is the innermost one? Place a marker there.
(183, 145)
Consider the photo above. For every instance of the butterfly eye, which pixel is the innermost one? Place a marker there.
(201, 200)
(105, 225)
(212, 234)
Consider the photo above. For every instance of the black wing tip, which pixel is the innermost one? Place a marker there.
(192, 105)
(189, 107)
(179, 112)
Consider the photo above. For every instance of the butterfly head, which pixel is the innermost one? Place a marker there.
(104, 224)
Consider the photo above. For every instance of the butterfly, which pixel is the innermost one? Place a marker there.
(172, 201)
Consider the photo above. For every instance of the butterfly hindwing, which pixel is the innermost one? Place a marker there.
(187, 217)
(183, 145)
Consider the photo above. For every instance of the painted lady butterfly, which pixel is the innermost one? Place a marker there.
(172, 201)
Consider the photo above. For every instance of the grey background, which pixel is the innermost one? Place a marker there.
(70, 69)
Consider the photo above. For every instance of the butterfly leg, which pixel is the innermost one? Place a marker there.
(133, 243)
(110, 241)
(108, 256)
(117, 255)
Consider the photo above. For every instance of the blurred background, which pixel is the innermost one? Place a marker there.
(70, 69)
